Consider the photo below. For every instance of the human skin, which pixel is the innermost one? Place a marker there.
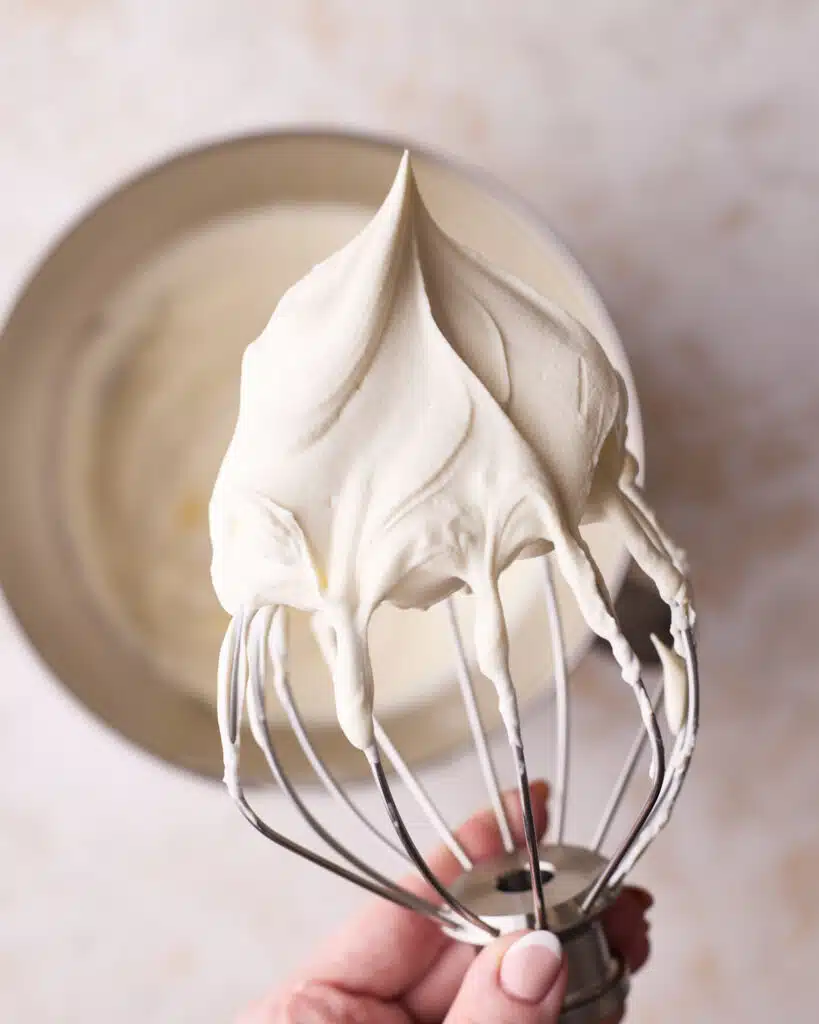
(390, 966)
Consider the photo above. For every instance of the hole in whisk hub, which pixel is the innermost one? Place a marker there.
(520, 879)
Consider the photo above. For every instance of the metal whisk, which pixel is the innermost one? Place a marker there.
(559, 886)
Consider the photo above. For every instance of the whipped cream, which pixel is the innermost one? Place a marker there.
(411, 421)
(675, 685)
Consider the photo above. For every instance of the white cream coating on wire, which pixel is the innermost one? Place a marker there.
(411, 421)
(675, 685)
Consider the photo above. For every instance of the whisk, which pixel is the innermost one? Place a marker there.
(557, 885)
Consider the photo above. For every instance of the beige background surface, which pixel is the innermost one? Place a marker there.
(674, 148)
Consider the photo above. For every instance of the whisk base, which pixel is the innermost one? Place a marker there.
(499, 892)
(598, 982)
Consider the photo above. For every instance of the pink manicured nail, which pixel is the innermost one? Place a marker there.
(530, 966)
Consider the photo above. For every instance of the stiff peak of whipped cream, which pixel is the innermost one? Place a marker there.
(411, 421)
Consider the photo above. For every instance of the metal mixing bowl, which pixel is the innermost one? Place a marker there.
(42, 571)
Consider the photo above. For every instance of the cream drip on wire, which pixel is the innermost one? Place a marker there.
(411, 421)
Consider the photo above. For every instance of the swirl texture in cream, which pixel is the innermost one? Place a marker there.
(411, 421)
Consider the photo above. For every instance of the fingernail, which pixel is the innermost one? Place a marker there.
(645, 898)
(530, 966)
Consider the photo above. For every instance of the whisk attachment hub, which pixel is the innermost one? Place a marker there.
(558, 886)
(499, 892)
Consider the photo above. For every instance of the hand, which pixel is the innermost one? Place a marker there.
(390, 966)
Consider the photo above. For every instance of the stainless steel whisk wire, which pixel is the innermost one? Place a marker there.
(256, 639)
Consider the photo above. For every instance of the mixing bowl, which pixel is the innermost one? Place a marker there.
(118, 390)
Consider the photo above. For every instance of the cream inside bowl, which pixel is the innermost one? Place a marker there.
(119, 376)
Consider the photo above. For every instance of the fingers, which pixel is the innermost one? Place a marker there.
(642, 896)
(518, 978)
(430, 998)
(428, 1001)
(481, 838)
(321, 1004)
(627, 928)
(638, 952)
(386, 950)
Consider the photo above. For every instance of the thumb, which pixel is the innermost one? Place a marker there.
(519, 978)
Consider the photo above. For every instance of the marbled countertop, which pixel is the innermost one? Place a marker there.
(674, 147)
